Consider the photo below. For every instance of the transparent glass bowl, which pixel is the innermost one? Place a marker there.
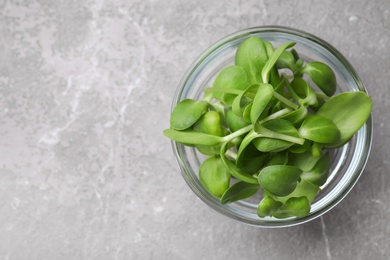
(348, 161)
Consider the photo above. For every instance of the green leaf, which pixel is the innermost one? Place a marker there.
(209, 123)
(249, 159)
(186, 113)
(247, 112)
(263, 96)
(239, 191)
(220, 109)
(273, 59)
(192, 137)
(303, 92)
(304, 161)
(319, 129)
(231, 77)
(297, 116)
(235, 122)
(298, 148)
(274, 78)
(316, 149)
(279, 180)
(233, 169)
(267, 207)
(295, 54)
(322, 75)
(245, 142)
(294, 207)
(280, 158)
(286, 61)
(348, 111)
(252, 164)
(251, 55)
(214, 176)
(241, 101)
(303, 189)
(319, 173)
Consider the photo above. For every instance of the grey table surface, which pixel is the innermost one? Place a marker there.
(85, 92)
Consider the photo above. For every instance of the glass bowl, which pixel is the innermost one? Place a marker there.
(348, 161)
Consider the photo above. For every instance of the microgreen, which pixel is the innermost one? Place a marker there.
(263, 126)
(260, 102)
(297, 116)
(319, 129)
(235, 122)
(234, 170)
(214, 176)
(348, 111)
(240, 190)
(302, 92)
(273, 59)
(232, 77)
(279, 180)
(294, 206)
(268, 206)
(319, 173)
(252, 56)
(209, 123)
(322, 75)
(187, 112)
(286, 61)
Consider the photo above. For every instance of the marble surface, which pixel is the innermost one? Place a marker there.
(85, 92)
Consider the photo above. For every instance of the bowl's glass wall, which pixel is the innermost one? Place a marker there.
(349, 161)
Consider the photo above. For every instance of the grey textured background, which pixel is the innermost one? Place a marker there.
(85, 92)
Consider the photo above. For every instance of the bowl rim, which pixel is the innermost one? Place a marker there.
(366, 129)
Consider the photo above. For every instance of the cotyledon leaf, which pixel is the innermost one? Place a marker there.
(187, 112)
(231, 77)
(348, 111)
(263, 96)
(319, 129)
(322, 75)
(319, 173)
(273, 59)
(297, 116)
(192, 137)
(241, 100)
(279, 180)
(214, 176)
(233, 169)
(252, 56)
(294, 207)
(240, 190)
(268, 206)
(303, 92)
(209, 123)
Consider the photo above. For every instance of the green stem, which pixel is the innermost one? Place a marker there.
(208, 97)
(228, 91)
(316, 150)
(217, 106)
(237, 133)
(298, 70)
(321, 95)
(233, 169)
(231, 154)
(276, 115)
(291, 91)
(285, 100)
(271, 134)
